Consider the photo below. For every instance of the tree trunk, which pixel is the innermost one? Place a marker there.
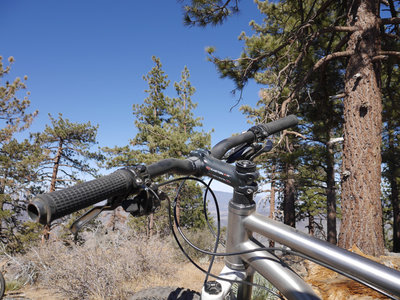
(311, 222)
(289, 214)
(47, 228)
(272, 200)
(331, 195)
(396, 214)
(55, 167)
(361, 170)
(2, 195)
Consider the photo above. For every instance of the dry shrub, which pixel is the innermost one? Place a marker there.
(203, 239)
(102, 268)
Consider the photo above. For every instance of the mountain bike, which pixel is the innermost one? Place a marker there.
(135, 189)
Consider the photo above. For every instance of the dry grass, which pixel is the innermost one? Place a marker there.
(114, 266)
(106, 267)
(185, 276)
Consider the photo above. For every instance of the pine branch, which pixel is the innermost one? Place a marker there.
(318, 64)
(296, 134)
(329, 57)
(335, 140)
(385, 54)
(340, 29)
(390, 21)
(379, 57)
(384, 2)
(389, 53)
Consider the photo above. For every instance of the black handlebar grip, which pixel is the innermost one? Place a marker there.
(280, 124)
(48, 207)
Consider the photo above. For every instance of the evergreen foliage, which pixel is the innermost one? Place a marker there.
(201, 12)
(29, 167)
(167, 128)
(67, 152)
(309, 55)
(18, 161)
(13, 110)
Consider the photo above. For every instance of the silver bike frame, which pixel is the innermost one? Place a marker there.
(243, 220)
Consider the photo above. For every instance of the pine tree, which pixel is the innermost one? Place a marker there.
(278, 54)
(166, 128)
(284, 156)
(18, 161)
(67, 152)
(13, 110)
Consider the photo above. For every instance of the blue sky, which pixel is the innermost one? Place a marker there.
(86, 60)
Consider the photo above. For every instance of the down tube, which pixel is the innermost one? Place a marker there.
(372, 273)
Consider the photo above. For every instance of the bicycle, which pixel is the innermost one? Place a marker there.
(133, 189)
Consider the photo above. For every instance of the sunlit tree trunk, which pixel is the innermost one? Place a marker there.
(361, 169)
(56, 166)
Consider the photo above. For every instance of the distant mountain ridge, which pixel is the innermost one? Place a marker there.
(223, 199)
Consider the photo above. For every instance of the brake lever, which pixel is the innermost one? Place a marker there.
(249, 151)
(90, 215)
(267, 147)
(237, 152)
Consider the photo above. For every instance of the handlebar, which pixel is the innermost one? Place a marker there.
(48, 207)
(256, 133)
(130, 181)
(171, 165)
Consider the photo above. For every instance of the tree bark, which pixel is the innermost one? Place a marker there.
(289, 213)
(331, 195)
(361, 170)
(2, 194)
(47, 228)
(55, 167)
(311, 223)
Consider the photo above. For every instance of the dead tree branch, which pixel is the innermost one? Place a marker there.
(390, 21)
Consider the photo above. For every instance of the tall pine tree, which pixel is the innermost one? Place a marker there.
(67, 152)
(166, 128)
(18, 161)
(279, 52)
